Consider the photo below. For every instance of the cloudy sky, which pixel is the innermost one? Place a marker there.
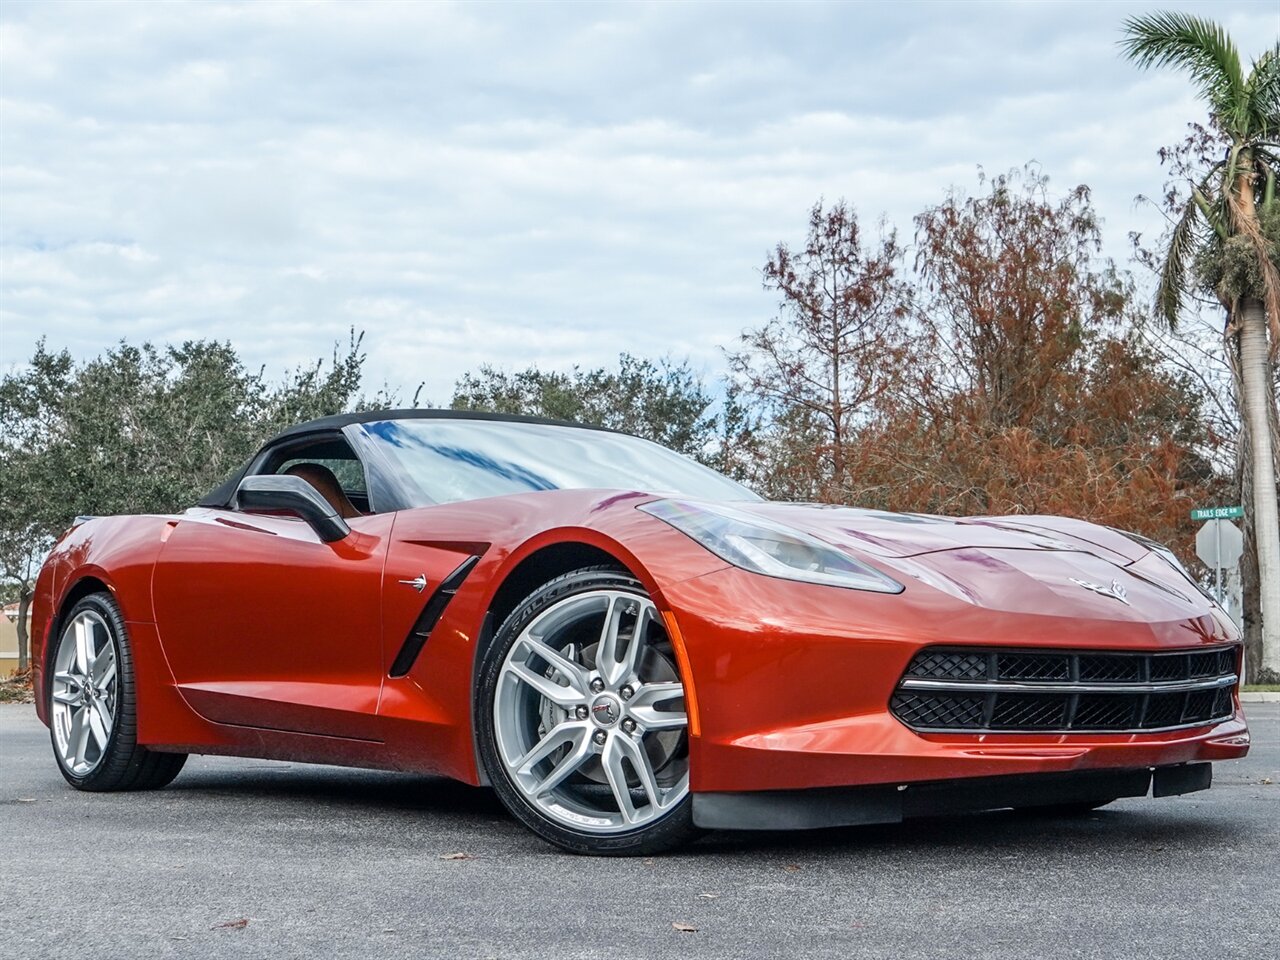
(522, 183)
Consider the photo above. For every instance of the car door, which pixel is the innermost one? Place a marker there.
(266, 625)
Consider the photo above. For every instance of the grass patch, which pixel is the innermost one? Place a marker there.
(1261, 688)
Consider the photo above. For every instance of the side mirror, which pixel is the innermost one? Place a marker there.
(297, 496)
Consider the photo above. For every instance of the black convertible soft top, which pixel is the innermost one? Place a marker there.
(338, 421)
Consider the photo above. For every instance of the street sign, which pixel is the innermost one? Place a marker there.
(1217, 513)
(1219, 544)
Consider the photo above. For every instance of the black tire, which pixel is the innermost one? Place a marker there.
(124, 763)
(673, 829)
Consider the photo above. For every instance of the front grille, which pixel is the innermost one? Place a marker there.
(1064, 691)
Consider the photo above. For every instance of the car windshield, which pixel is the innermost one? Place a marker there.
(450, 460)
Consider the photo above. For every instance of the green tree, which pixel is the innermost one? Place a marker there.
(1224, 242)
(31, 405)
(664, 401)
(138, 430)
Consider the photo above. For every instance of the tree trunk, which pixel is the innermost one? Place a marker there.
(1251, 611)
(1255, 402)
(1251, 619)
(24, 647)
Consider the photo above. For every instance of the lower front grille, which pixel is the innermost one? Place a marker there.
(1048, 691)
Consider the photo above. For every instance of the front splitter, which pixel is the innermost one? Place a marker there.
(892, 803)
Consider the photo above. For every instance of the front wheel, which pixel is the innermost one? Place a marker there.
(92, 705)
(583, 729)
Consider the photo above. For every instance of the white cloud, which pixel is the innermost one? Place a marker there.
(517, 183)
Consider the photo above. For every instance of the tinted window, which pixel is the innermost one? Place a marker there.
(349, 473)
(451, 460)
(331, 452)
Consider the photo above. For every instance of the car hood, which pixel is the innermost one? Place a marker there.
(910, 534)
(1054, 566)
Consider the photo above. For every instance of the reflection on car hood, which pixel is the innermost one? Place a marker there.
(909, 534)
(1042, 565)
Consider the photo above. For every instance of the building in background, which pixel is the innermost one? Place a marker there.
(9, 641)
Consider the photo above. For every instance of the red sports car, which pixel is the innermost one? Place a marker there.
(627, 646)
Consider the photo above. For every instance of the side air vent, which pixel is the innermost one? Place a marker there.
(429, 617)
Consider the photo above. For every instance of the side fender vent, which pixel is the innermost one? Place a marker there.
(429, 617)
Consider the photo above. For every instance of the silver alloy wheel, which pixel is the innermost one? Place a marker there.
(592, 733)
(85, 693)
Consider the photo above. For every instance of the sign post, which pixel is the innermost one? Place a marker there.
(1219, 543)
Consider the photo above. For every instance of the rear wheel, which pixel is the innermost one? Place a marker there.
(583, 730)
(92, 705)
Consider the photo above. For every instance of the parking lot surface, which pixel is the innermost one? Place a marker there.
(244, 858)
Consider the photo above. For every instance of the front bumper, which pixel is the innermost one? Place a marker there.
(855, 806)
(792, 684)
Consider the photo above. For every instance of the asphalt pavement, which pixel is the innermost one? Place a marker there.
(244, 858)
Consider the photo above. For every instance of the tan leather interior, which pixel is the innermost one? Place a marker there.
(326, 485)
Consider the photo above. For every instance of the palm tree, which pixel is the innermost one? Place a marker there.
(1226, 241)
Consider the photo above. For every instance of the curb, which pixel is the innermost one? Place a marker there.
(1260, 696)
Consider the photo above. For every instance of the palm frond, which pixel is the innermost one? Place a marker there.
(1173, 272)
(1214, 215)
(1262, 90)
(1200, 47)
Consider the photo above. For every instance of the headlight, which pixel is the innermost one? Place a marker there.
(772, 549)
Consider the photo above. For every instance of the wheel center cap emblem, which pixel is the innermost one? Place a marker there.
(606, 710)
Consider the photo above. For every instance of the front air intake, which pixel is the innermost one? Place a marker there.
(977, 690)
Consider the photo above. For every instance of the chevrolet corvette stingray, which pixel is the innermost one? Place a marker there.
(628, 647)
